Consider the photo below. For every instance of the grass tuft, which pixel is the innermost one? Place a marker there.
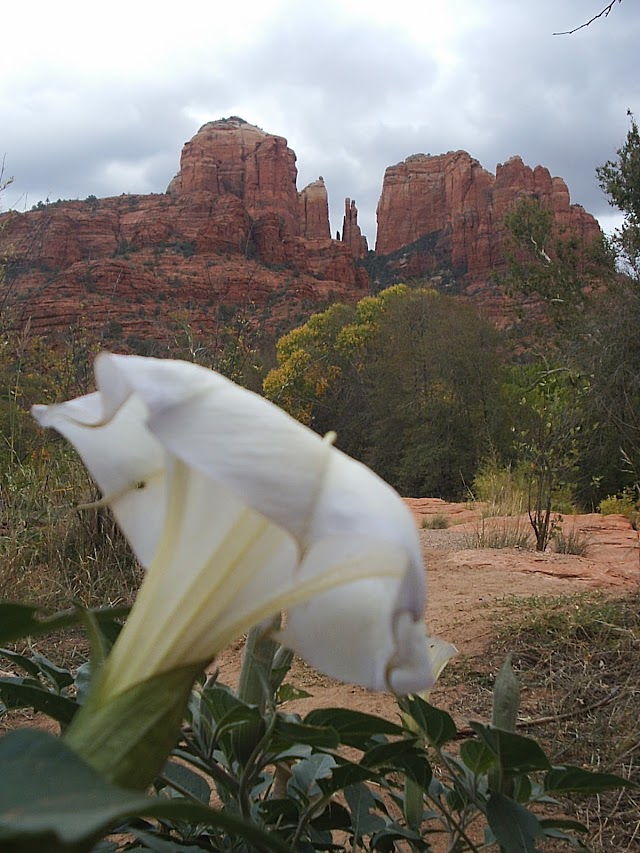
(572, 542)
(435, 522)
(501, 533)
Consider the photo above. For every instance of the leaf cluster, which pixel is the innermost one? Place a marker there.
(334, 779)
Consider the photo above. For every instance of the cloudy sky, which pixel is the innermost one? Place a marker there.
(98, 98)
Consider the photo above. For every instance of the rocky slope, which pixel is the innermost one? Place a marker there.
(233, 234)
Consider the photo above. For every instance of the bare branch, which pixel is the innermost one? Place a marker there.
(604, 12)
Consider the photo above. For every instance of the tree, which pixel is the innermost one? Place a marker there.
(309, 364)
(620, 180)
(551, 263)
(611, 350)
(592, 301)
(409, 381)
(432, 378)
(548, 424)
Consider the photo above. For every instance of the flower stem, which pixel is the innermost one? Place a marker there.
(127, 737)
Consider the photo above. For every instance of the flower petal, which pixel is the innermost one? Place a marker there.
(212, 550)
(262, 455)
(349, 630)
(125, 460)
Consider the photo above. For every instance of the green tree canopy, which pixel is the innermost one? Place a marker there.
(409, 379)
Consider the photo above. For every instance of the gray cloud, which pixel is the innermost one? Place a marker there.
(352, 96)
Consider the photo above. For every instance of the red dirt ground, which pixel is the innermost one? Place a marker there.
(466, 583)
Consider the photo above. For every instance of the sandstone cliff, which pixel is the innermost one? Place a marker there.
(232, 232)
(446, 212)
(351, 234)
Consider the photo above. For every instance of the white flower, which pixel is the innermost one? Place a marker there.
(237, 511)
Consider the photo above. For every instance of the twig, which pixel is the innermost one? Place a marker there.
(552, 718)
(604, 12)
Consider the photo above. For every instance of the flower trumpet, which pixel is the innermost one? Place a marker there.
(238, 512)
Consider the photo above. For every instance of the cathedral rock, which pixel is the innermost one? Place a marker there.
(447, 211)
(233, 234)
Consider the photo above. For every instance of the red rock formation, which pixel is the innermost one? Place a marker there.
(233, 157)
(314, 211)
(232, 231)
(455, 208)
(351, 234)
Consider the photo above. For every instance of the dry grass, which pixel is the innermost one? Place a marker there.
(501, 533)
(578, 659)
(439, 521)
(51, 554)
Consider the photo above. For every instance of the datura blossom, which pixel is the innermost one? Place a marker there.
(238, 512)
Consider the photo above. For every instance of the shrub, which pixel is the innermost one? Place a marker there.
(502, 489)
(435, 522)
(624, 503)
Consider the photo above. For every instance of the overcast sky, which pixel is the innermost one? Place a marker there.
(98, 98)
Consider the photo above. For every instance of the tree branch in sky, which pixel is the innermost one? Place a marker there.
(604, 12)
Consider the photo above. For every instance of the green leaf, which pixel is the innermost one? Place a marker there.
(345, 774)
(186, 780)
(360, 801)
(333, 816)
(296, 733)
(47, 790)
(17, 693)
(304, 775)
(436, 725)
(82, 682)
(522, 788)
(516, 753)
(56, 675)
(18, 621)
(354, 727)
(231, 717)
(514, 827)
(565, 780)
(22, 661)
(280, 812)
(50, 799)
(402, 756)
(386, 839)
(477, 756)
(287, 692)
(506, 698)
(562, 823)
(154, 844)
